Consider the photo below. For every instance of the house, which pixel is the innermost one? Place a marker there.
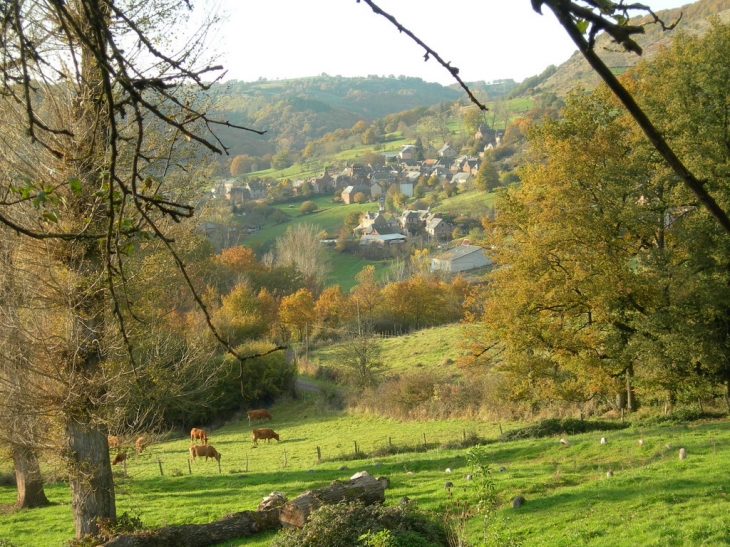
(348, 194)
(459, 259)
(256, 189)
(446, 151)
(408, 152)
(462, 178)
(387, 239)
(438, 228)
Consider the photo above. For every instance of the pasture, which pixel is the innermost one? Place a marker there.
(652, 498)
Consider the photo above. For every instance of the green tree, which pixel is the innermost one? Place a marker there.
(242, 164)
(282, 159)
(308, 207)
(360, 198)
(487, 178)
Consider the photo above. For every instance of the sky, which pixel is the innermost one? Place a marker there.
(486, 39)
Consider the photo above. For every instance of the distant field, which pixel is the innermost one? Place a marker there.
(433, 349)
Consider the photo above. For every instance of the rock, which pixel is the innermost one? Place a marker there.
(272, 501)
(404, 500)
(448, 470)
(469, 477)
(310, 470)
(669, 446)
(603, 440)
(641, 442)
(377, 464)
(609, 473)
(344, 468)
(385, 481)
(682, 453)
(564, 442)
(502, 469)
(358, 475)
(518, 501)
(448, 484)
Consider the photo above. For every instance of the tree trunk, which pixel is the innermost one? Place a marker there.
(243, 524)
(630, 398)
(364, 488)
(90, 478)
(28, 479)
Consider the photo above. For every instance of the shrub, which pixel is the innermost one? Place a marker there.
(680, 416)
(554, 426)
(345, 524)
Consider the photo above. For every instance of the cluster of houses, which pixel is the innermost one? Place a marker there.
(381, 228)
(370, 180)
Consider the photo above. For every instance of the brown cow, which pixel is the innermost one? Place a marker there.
(260, 414)
(119, 458)
(264, 433)
(113, 441)
(140, 444)
(196, 434)
(207, 451)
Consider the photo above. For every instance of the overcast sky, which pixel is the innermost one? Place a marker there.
(485, 39)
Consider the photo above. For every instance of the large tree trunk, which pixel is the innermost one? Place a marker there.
(28, 479)
(243, 524)
(362, 487)
(91, 481)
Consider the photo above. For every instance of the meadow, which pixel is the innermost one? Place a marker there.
(652, 498)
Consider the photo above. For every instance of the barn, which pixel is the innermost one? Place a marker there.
(459, 259)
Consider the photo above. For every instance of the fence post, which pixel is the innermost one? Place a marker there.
(463, 435)
(355, 448)
(500, 428)
(190, 468)
(219, 467)
(390, 442)
(424, 441)
(285, 460)
(246, 461)
(319, 455)
(159, 462)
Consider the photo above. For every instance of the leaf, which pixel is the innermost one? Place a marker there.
(40, 198)
(51, 217)
(75, 185)
(582, 25)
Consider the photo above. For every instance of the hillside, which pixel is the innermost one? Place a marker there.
(293, 112)
(576, 71)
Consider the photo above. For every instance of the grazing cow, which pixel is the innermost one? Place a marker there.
(113, 441)
(202, 450)
(140, 444)
(196, 434)
(260, 414)
(264, 433)
(119, 458)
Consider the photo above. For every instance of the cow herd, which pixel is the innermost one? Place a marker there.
(199, 446)
(204, 449)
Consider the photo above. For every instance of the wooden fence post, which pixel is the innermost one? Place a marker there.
(246, 461)
(159, 462)
(356, 448)
(500, 428)
(319, 455)
(424, 441)
(463, 435)
(390, 442)
(190, 468)
(285, 460)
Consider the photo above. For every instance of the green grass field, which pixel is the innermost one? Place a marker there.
(652, 498)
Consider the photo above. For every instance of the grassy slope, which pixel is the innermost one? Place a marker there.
(422, 350)
(652, 499)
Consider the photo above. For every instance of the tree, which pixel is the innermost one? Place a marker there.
(308, 207)
(301, 246)
(282, 159)
(360, 198)
(242, 164)
(359, 355)
(297, 314)
(333, 307)
(97, 120)
(487, 178)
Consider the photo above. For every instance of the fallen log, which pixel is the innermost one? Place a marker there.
(243, 524)
(361, 487)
